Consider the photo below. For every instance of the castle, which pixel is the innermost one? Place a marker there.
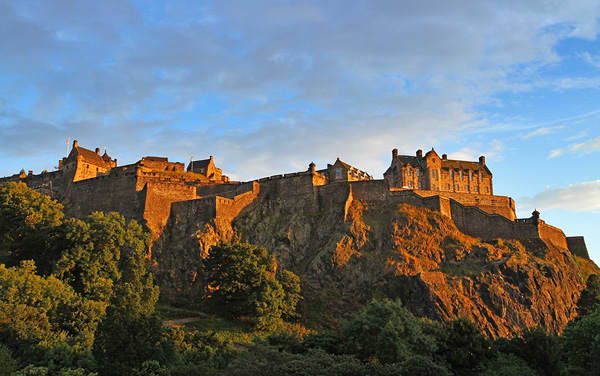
(153, 190)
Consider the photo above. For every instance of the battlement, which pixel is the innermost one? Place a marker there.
(150, 189)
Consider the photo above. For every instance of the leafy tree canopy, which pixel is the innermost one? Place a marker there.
(242, 282)
(28, 221)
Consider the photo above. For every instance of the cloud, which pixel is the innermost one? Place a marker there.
(587, 147)
(578, 197)
(493, 151)
(267, 86)
(590, 59)
(541, 131)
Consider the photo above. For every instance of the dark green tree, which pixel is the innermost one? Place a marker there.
(28, 227)
(540, 350)
(581, 345)
(590, 296)
(387, 331)
(242, 282)
(124, 342)
(463, 346)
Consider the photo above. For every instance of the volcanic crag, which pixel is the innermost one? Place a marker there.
(431, 233)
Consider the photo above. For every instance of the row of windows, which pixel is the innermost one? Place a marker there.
(467, 188)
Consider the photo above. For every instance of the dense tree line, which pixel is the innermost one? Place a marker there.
(77, 298)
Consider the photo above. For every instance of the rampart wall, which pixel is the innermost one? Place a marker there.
(502, 205)
(106, 193)
(159, 194)
(577, 246)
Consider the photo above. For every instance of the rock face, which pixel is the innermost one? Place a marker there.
(348, 253)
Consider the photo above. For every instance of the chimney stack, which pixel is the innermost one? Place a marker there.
(420, 153)
(482, 160)
(444, 156)
(98, 151)
(394, 153)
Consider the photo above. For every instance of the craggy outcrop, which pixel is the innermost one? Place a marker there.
(347, 252)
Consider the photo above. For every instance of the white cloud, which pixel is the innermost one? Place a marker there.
(473, 152)
(541, 131)
(268, 85)
(578, 197)
(586, 147)
(591, 59)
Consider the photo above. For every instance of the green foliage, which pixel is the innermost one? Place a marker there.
(590, 296)
(28, 221)
(387, 331)
(8, 364)
(540, 350)
(243, 283)
(508, 365)
(463, 347)
(35, 309)
(125, 342)
(105, 250)
(581, 344)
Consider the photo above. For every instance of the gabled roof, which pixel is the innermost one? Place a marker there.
(203, 163)
(339, 161)
(89, 156)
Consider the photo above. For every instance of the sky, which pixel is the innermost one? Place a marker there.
(267, 86)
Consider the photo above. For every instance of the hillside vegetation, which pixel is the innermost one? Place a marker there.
(78, 297)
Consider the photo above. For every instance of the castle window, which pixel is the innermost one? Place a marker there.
(338, 173)
(460, 174)
(448, 187)
(410, 184)
(420, 185)
(470, 175)
(487, 190)
(457, 187)
(468, 188)
(480, 177)
(477, 189)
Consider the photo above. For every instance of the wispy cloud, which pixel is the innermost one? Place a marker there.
(578, 197)
(541, 131)
(586, 147)
(591, 59)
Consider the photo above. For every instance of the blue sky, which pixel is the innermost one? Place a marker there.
(268, 86)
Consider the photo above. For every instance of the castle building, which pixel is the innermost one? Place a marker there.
(341, 171)
(207, 168)
(432, 173)
(84, 164)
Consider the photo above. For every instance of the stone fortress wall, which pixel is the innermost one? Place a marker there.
(153, 190)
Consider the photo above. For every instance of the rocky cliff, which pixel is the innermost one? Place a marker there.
(348, 252)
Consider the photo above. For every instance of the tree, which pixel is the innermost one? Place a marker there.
(590, 296)
(106, 259)
(581, 344)
(28, 223)
(242, 282)
(387, 331)
(124, 342)
(463, 346)
(540, 350)
(37, 309)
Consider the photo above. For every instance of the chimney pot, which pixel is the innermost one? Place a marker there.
(75, 143)
(394, 153)
(482, 160)
(420, 153)
(98, 151)
(444, 156)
